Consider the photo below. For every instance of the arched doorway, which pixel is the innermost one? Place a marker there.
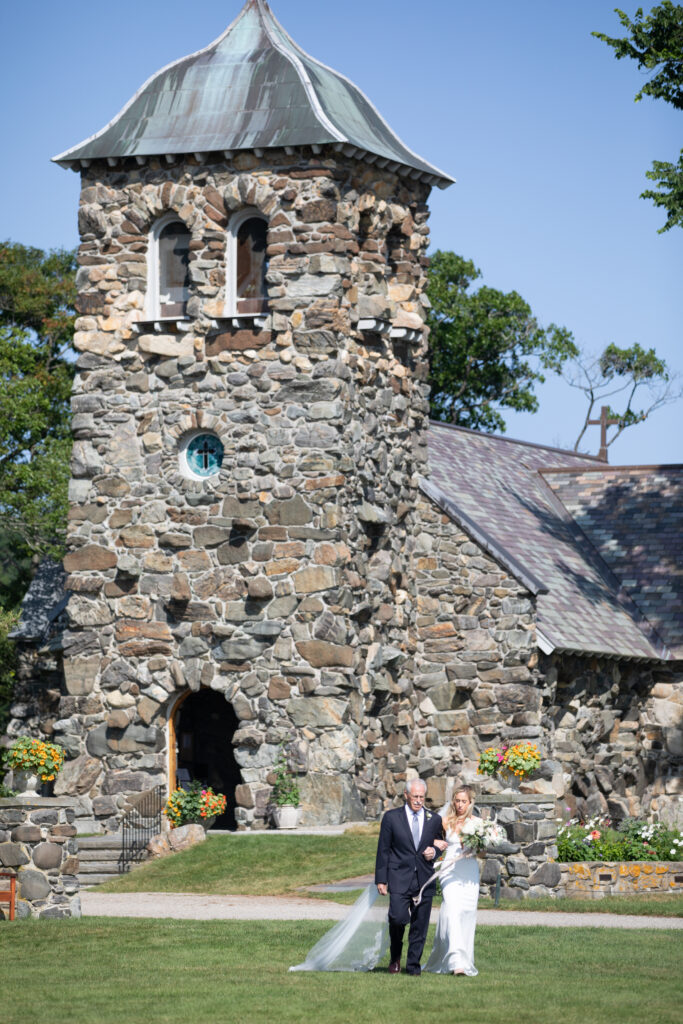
(202, 727)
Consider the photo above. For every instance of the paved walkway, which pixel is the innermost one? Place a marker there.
(198, 907)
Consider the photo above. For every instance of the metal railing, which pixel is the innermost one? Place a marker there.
(138, 826)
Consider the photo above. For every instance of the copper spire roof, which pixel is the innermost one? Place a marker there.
(252, 88)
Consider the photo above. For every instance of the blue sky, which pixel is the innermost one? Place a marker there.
(533, 117)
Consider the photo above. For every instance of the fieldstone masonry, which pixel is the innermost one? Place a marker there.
(37, 840)
(284, 582)
(616, 728)
(315, 581)
(477, 679)
(525, 864)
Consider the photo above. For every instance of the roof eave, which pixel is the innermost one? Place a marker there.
(589, 652)
(69, 160)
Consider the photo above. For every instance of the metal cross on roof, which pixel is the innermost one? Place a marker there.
(604, 422)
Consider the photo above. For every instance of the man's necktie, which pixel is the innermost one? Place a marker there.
(416, 831)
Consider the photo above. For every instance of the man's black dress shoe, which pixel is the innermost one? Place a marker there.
(415, 974)
(395, 967)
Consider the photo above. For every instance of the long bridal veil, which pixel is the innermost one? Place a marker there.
(357, 943)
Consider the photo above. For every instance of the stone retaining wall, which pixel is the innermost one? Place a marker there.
(526, 862)
(595, 879)
(38, 841)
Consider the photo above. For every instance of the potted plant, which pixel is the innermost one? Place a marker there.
(198, 804)
(33, 762)
(285, 795)
(511, 763)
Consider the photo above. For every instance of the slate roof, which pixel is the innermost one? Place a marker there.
(252, 88)
(45, 599)
(600, 546)
(633, 515)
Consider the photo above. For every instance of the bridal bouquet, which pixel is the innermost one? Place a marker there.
(477, 835)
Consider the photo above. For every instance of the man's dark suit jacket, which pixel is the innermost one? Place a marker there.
(398, 862)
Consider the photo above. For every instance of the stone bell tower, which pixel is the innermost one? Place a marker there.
(249, 419)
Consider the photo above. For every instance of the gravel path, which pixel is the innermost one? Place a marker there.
(197, 907)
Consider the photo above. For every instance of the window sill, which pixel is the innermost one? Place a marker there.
(242, 320)
(373, 325)
(409, 334)
(163, 324)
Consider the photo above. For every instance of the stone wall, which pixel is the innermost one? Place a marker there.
(477, 679)
(283, 583)
(615, 727)
(525, 863)
(595, 879)
(38, 841)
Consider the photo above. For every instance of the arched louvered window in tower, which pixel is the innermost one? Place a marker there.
(247, 256)
(173, 251)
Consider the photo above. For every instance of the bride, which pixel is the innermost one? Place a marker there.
(453, 949)
(361, 940)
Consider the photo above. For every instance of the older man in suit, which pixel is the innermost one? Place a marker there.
(405, 853)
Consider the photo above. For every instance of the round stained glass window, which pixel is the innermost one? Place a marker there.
(204, 455)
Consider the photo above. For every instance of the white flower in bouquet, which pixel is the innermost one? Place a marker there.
(477, 835)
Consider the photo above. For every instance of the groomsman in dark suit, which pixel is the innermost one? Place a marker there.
(405, 855)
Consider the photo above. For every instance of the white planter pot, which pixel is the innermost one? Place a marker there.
(286, 816)
(26, 783)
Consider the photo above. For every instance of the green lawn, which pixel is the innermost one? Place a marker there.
(280, 865)
(127, 971)
(251, 865)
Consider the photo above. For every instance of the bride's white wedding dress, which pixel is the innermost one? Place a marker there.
(453, 948)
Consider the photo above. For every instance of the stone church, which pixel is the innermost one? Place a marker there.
(269, 545)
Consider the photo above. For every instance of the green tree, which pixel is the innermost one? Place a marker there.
(656, 43)
(37, 295)
(488, 351)
(620, 375)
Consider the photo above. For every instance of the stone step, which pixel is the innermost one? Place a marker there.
(87, 880)
(112, 841)
(101, 864)
(98, 866)
(104, 853)
(99, 858)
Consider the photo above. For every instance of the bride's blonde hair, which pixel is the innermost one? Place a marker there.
(450, 817)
